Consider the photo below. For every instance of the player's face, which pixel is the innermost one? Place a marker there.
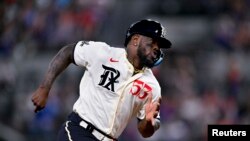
(148, 51)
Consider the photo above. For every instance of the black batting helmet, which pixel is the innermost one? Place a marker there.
(148, 28)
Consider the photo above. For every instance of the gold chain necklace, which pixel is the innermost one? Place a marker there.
(137, 70)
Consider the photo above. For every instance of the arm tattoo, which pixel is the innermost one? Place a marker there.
(58, 64)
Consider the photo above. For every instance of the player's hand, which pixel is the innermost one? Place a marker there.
(152, 108)
(39, 98)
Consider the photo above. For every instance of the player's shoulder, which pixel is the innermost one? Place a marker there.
(99, 45)
(150, 77)
(92, 43)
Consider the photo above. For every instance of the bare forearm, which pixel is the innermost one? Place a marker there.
(58, 64)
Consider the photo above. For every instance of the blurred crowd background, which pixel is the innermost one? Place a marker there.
(205, 77)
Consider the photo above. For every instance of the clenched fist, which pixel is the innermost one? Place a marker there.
(39, 98)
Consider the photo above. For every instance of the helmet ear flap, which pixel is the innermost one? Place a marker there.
(159, 60)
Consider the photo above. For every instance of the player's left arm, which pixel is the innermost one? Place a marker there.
(151, 121)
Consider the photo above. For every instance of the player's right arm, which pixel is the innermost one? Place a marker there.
(57, 65)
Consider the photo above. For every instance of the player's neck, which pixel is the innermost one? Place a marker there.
(134, 62)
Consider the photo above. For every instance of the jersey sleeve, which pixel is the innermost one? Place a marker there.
(86, 52)
(141, 113)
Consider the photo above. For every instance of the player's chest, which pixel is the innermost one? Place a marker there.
(117, 78)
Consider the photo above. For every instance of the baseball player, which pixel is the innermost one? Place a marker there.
(117, 85)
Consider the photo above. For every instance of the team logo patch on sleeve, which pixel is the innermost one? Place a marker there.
(84, 43)
(109, 78)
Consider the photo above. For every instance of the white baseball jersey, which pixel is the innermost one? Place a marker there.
(109, 92)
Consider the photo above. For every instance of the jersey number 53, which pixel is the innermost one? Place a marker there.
(140, 89)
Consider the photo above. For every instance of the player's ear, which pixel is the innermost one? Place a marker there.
(135, 39)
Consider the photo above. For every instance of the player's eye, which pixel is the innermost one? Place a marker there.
(156, 52)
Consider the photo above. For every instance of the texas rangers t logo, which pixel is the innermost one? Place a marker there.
(109, 77)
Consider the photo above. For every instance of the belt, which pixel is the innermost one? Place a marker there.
(100, 135)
